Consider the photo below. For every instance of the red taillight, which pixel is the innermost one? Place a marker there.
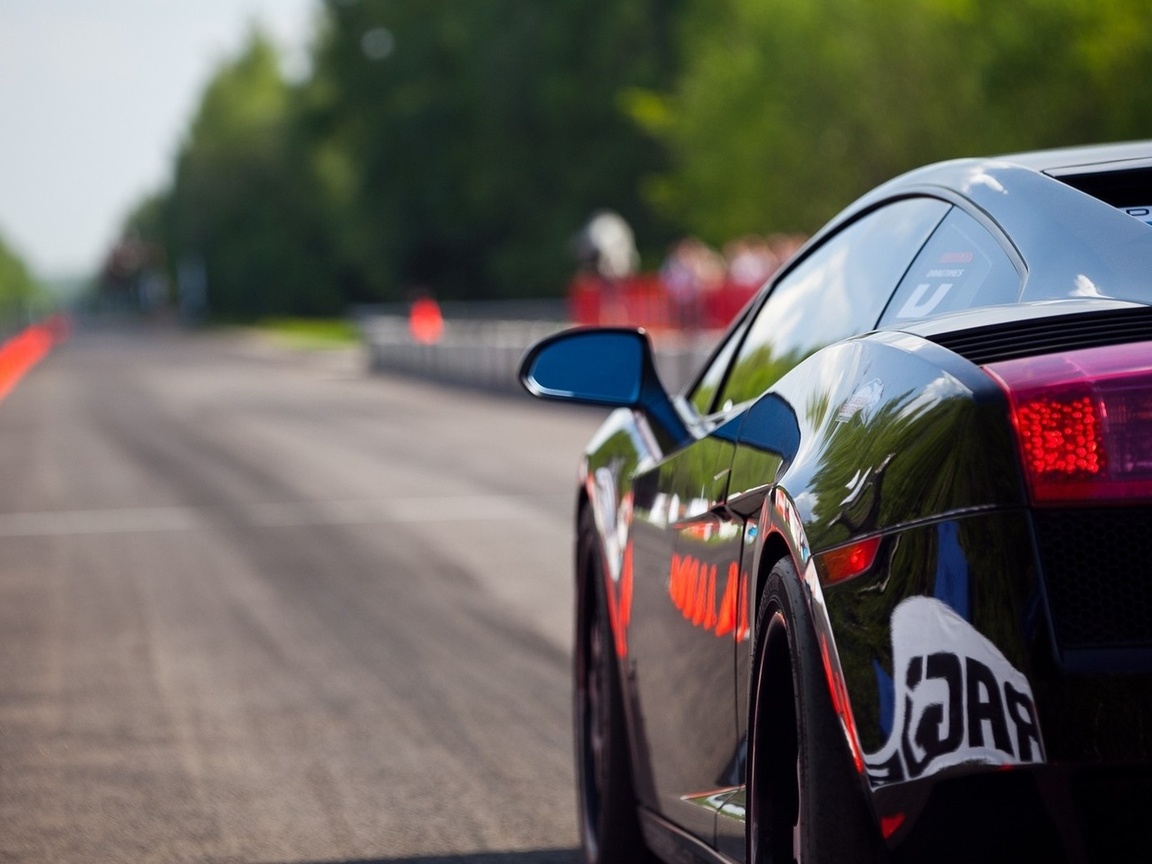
(849, 561)
(1084, 422)
(1061, 435)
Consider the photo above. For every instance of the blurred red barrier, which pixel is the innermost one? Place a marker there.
(643, 301)
(27, 348)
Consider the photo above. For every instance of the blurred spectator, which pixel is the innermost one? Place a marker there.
(607, 246)
(750, 262)
(784, 246)
(606, 250)
(695, 289)
(690, 272)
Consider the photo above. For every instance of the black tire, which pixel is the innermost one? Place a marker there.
(609, 825)
(805, 799)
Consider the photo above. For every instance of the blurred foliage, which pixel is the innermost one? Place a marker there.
(468, 141)
(243, 203)
(784, 112)
(21, 296)
(456, 146)
(311, 333)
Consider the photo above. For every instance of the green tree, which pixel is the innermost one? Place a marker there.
(458, 145)
(1063, 72)
(243, 201)
(20, 293)
(785, 111)
(477, 137)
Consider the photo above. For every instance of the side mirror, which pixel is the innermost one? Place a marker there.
(610, 367)
(594, 367)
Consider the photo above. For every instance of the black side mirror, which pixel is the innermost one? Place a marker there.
(610, 367)
(592, 366)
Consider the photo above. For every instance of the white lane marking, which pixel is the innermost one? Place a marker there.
(134, 520)
(118, 521)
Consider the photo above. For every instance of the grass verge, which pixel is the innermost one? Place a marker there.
(311, 333)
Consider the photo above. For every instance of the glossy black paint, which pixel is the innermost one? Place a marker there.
(941, 652)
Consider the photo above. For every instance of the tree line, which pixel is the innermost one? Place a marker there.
(22, 298)
(456, 146)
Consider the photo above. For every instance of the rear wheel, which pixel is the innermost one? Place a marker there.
(609, 825)
(805, 800)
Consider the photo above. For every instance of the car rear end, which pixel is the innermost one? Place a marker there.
(1078, 395)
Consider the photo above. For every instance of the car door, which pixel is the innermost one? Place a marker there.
(669, 499)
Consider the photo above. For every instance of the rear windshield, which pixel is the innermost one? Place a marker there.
(1129, 190)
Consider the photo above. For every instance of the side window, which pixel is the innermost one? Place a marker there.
(703, 393)
(838, 291)
(961, 267)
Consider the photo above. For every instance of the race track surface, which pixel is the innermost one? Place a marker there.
(260, 606)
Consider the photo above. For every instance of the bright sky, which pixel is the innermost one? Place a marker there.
(94, 97)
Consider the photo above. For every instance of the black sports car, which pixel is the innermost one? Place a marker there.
(877, 585)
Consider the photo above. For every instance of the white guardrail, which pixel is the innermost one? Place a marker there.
(486, 353)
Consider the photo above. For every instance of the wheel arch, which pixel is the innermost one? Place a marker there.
(774, 550)
(810, 786)
(784, 537)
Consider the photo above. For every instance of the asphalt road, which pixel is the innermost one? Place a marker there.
(257, 606)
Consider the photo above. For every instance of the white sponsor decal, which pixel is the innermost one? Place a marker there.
(958, 699)
(920, 304)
